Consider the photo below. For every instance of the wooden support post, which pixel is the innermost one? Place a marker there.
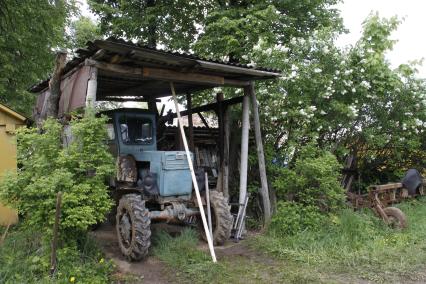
(225, 164)
(92, 87)
(55, 233)
(264, 193)
(152, 106)
(244, 148)
(194, 179)
(219, 113)
(220, 109)
(190, 124)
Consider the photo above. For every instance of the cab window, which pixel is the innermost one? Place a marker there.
(135, 130)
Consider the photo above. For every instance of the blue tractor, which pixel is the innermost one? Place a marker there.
(154, 186)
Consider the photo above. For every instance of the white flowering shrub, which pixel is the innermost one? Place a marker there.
(345, 100)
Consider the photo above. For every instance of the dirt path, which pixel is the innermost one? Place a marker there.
(148, 271)
(152, 270)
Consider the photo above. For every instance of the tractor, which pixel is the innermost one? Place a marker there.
(154, 186)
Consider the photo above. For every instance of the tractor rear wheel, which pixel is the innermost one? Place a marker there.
(133, 227)
(221, 218)
(396, 217)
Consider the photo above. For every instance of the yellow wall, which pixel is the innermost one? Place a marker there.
(8, 123)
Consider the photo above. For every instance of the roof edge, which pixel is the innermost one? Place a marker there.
(13, 113)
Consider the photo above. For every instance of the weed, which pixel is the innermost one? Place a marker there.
(357, 243)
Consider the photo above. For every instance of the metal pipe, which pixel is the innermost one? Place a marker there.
(169, 214)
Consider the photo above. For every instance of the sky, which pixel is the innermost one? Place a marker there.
(411, 37)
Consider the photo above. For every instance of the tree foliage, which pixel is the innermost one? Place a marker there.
(172, 23)
(234, 27)
(345, 100)
(82, 31)
(30, 31)
(79, 171)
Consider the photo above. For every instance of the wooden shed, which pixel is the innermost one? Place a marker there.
(10, 120)
(115, 70)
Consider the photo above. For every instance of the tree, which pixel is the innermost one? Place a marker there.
(346, 100)
(82, 31)
(30, 30)
(235, 26)
(172, 23)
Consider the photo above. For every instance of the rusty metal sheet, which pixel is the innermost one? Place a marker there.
(126, 169)
(40, 101)
(73, 91)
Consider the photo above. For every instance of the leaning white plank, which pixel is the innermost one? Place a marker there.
(194, 180)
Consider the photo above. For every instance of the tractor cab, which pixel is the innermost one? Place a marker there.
(140, 166)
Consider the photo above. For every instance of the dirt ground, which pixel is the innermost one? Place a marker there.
(152, 270)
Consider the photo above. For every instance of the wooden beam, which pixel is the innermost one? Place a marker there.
(176, 76)
(167, 74)
(190, 124)
(264, 193)
(225, 164)
(220, 110)
(124, 99)
(220, 67)
(116, 68)
(236, 83)
(212, 106)
(203, 120)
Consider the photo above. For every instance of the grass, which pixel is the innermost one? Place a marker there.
(189, 264)
(358, 245)
(24, 258)
(355, 246)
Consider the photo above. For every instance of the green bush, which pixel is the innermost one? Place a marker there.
(24, 258)
(314, 180)
(292, 218)
(79, 171)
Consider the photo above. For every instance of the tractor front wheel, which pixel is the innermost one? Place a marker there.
(221, 218)
(133, 227)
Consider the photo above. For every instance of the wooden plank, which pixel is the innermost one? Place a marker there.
(125, 99)
(116, 68)
(218, 67)
(170, 75)
(190, 124)
(203, 120)
(212, 106)
(225, 164)
(220, 110)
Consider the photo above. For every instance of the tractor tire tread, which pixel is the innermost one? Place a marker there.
(222, 211)
(141, 226)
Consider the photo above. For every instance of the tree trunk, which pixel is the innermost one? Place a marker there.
(51, 102)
